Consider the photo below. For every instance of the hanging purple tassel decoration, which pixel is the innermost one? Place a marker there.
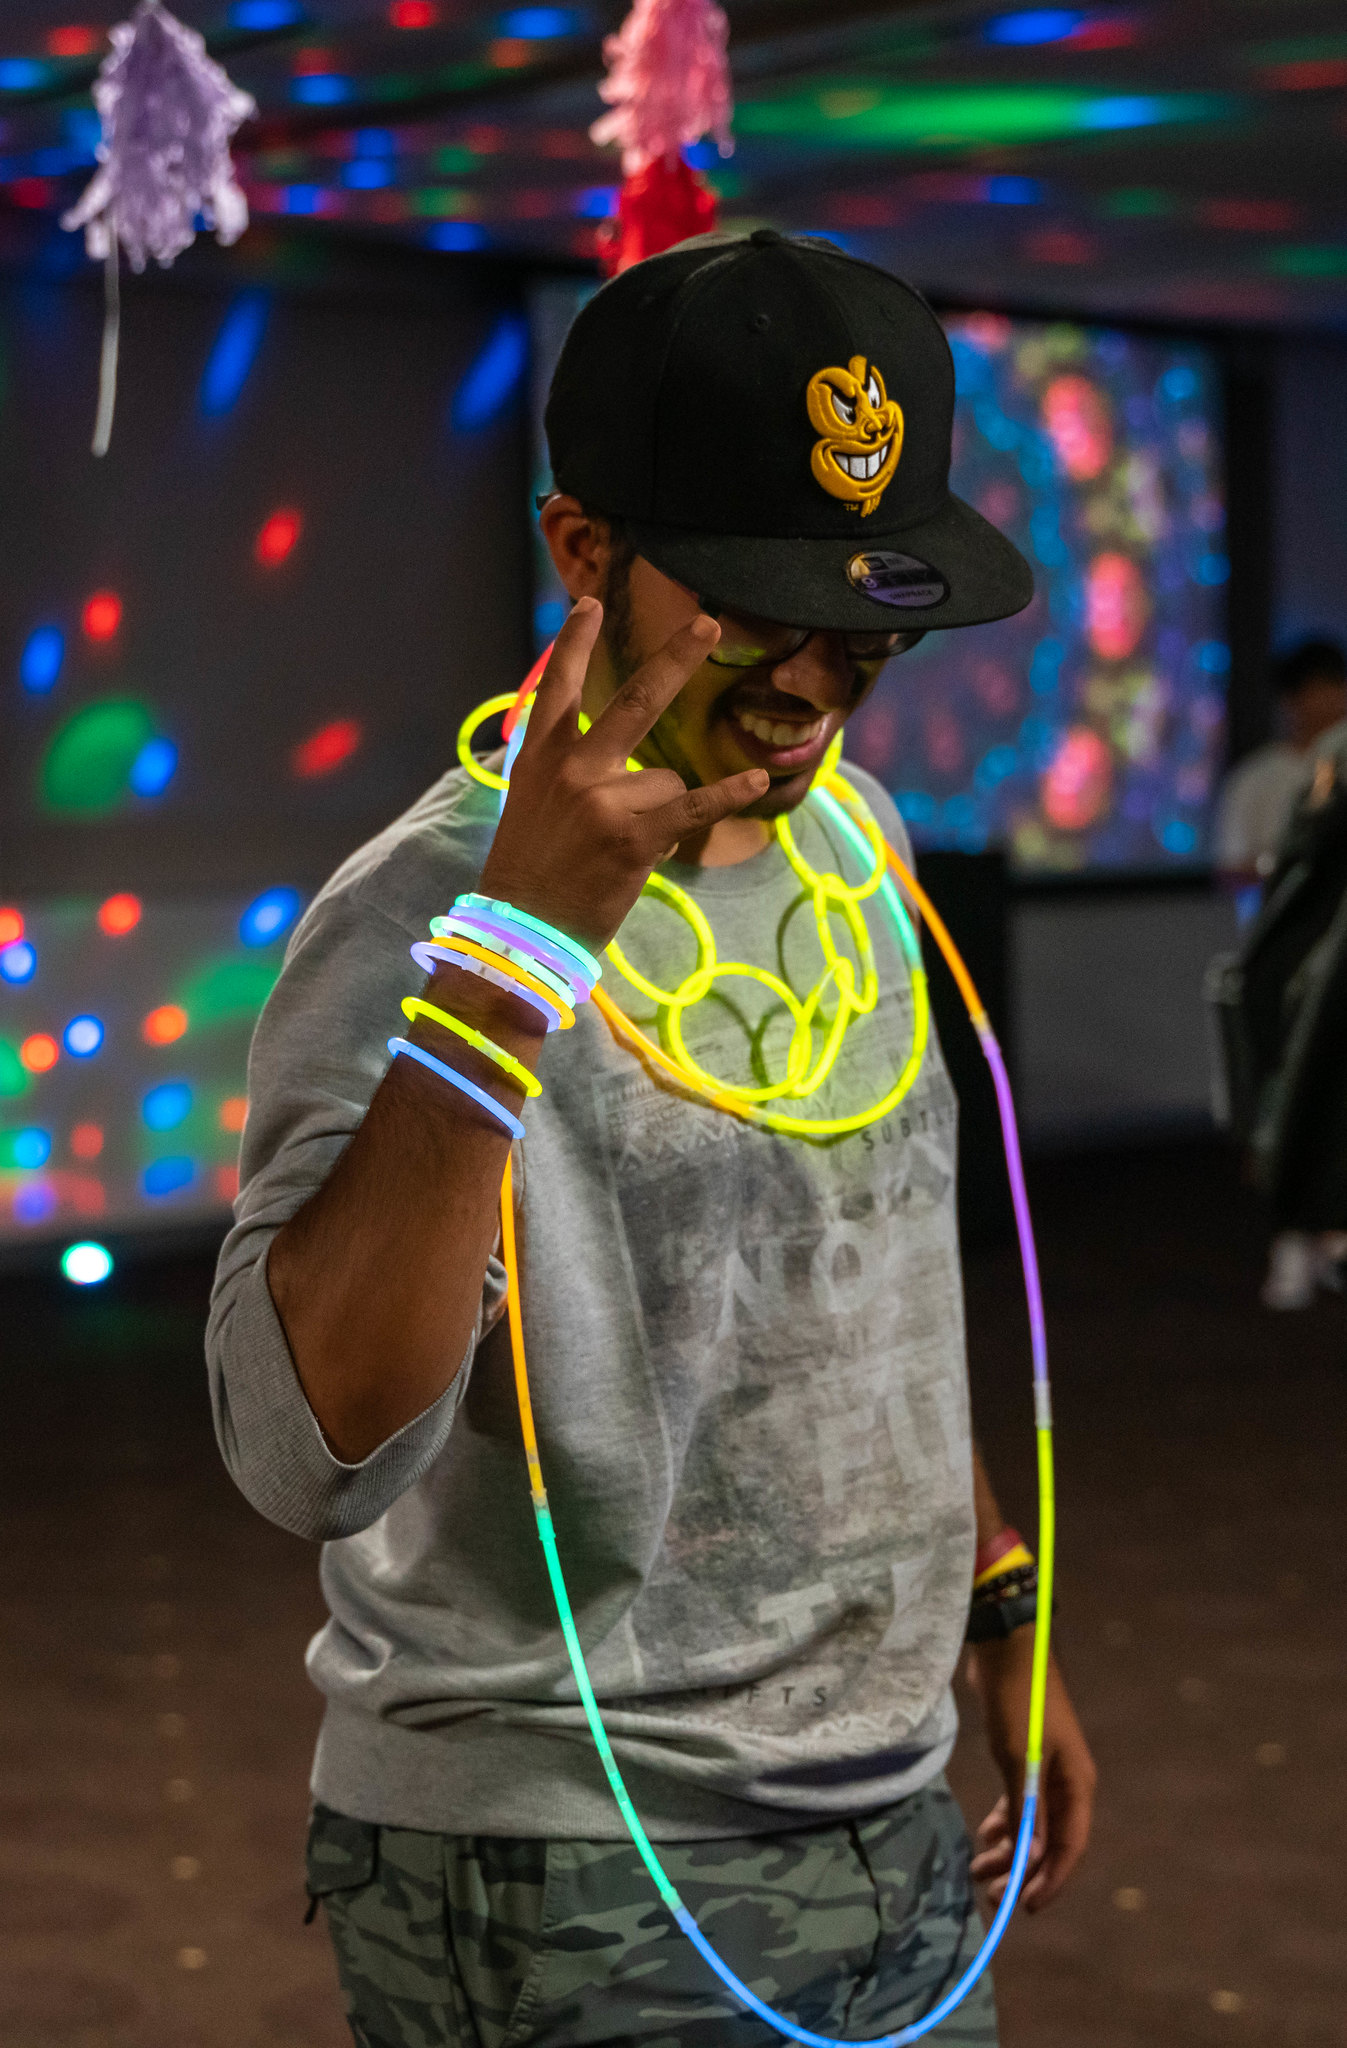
(168, 112)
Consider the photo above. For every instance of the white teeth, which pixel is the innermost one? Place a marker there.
(776, 733)
(863, 467)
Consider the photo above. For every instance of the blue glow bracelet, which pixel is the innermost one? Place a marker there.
(591, 968)
(457, 1080)
(506, 930)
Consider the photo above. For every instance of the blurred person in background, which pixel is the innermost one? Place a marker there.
(1260, 794)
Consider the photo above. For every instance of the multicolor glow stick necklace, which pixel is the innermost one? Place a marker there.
(846, 809)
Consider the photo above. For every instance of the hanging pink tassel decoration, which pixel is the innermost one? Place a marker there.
(167, 112)
(668, 84)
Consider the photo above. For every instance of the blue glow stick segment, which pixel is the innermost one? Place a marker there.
(457, 1080)
(591, 968)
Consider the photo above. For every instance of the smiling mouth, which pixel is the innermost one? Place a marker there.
(861, 468)
(780, 732)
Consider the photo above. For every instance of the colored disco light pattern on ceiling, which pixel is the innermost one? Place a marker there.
(127, 1110)
(1087, 733)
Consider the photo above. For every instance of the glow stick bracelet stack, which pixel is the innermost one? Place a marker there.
(516, 952)
(846, 809)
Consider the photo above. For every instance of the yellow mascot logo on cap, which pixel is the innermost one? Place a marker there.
(861, 433)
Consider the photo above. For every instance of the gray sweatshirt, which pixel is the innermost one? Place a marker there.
(747, 1361)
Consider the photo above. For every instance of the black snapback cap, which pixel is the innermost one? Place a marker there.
(770, 421)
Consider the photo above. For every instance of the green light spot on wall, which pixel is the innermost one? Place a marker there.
(1310, 261)
(226, 991)
(15, 1078)
(88, 764)
(944, 116)
(1138, 202)
(453, 161)
(447, 202)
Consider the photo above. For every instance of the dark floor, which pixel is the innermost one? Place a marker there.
(155, 1720)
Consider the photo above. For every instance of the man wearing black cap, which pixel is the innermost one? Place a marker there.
(746, 1347)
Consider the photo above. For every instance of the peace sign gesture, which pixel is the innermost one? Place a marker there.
(580, 834)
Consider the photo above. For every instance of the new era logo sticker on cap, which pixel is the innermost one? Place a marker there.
(860, 431)
(898, 580)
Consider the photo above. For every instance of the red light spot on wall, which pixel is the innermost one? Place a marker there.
(11, 926)
(119, 914)
(413, 13)
(1060, 245)
(165, 1024)
(1253, 216)
(276, 538)
(34, 193)
(508, 53)
(233, 1112)
(40, 1052)
(73, 41)
(102, 615)
(327, 748)
(227, 1182)
(1104, 34)
(1076, 786)
(86, 1196)
(86, 1141)
(1117, 606)
(1076, 415)
(314, 63)
(1315, 74)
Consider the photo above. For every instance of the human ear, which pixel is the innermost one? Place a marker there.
(579, 544)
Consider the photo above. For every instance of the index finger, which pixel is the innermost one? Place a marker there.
(629, 714)
(561, 682)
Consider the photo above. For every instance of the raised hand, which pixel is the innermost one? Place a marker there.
(579, 833)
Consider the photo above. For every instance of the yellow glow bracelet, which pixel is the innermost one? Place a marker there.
(417, 1006)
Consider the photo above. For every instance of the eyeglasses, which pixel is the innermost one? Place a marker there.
(761, 643)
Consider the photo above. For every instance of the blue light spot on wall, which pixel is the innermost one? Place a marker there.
(549, 617)
(40, 662)
(598, 202)
(1034, 25)
(30, 1148)
(1008, 191)
(1213, 658)
(320, 89)
(167, 1106)
(1178, 837)
(153, 768)
(917, 806)
(82, 127)
(1179, 382)
(493, 377)
(456, 237)
(701, 156)
(35, 1203)
(1045, 667)
(1213, 569)
(22, 74)
(166, 1176)
(234, 351)
(82, 1037)
(996, 764)
(367, 174)
(540, 24)
(1128, 110)
(265, 14)
(18, 962)
(375, 142)
(303, 198)
(268, 915)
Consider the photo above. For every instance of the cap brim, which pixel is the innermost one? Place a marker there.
(815, 582)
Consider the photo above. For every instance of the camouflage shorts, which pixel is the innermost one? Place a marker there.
(854, 1928)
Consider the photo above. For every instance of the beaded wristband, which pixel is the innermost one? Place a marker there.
(999, 1553)
(430, 957)
(457, 1080)
(588, 965)
(416, 1006)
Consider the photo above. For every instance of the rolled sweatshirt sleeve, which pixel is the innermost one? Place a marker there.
(318, 1054)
